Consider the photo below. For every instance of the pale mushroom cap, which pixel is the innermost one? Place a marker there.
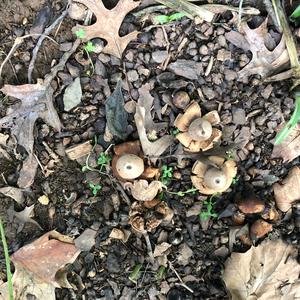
(200, 130)
(130, 166)
(215, 179)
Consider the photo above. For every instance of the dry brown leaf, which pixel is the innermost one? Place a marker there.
(40, 267)
(108, 24)
(36, 102)
(146, 100)
(264, 61)
(150, 148)
(267, 272)
(13, 192)
(288, 191)
(161, 249)
(141, 190)
(289, 148)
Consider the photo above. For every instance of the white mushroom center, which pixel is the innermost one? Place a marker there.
(130, 166)
(215, 179)
(200, 130)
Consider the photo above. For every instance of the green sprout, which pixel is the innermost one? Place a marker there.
(294, 17)
(230, 155)
(80, 33)
(163, 19)
(103, 159)
(167, 174)
(234, 180)
(182, 193)
(95, 188)
(286, 130)
(160, 273)
(135, 274)
(89, 47)
(175, 131)
(208, 210)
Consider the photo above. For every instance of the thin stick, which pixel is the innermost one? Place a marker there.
(7, 262)
(178, 276)
(40, 41)
(149, 248)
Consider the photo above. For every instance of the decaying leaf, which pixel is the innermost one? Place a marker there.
(184, 254)
(288, 191)
(264, 61)
(150, 148)
(86, 240)
(141, 190)
(146, 100)
(289, 148)
(108, 24)
(40, 267)
(161, 249)
(267, 272)
(116, 115)
(13, 192)
(187, 68)
(36, 102)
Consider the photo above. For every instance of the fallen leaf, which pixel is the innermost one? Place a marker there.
(146, 100)
(44, 200)
(288, 191)
(23, 217)
(267, 272)
(187, 68)
(86, 240)
(40, 267)
(116, 115)
(150, 148)
(264, 61)
(184, 254)
(14, 193)
(120, 234)
(107, 26)
(160, 249)
(72, 95)
(289, 148)
(36, 102)
(141, 190)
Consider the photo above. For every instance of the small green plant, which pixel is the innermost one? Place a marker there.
(80, 33)
(230, 155)
(164, 19)
(89, 47)
(294, 17)
(160, 273)
(175, 131)
(182, 193)
(234, 180)
(95, 188)
(286, 130)
(135, 274)
(103, 159)
(208, 209)
(7, 262)
(167, 174)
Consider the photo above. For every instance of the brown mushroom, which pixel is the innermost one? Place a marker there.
(181, 99)
(259, 229)
(214, 176)
(251, 205)
(128, 163)
(141, 190)
(196, 132)
(130, 166)
(143, 219)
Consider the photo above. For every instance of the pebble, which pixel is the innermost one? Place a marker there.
(260, 120)
(159, 56)
(203, 50)
(250, 146)
(73, 70)
(192, 52)
(98, 45)
(224, 239)
(221, 40)
(104, 58)
(132, 75)
(230, 75)
(100, 68)
(209, 93)
(65, 46)
(222, 251)
(223, 55)
(239, 116)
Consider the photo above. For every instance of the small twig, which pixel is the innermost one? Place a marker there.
(149, 247)
(40, 41)
(240, 13)
(178, 276)
(270, 10)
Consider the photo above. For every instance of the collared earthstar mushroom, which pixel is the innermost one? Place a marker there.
(196, 132)
(215, 177)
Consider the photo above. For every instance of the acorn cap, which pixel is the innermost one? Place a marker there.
(200, 130)
(129, 166)
(226, 170)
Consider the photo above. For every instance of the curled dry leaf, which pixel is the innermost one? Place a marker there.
(36, 102)
(196, 132)
(269, 271)
(264, 62)
(141, 190)
(120, 234)
(288, 191)
(107, 26)
(259, 229)
(214, 175)
(150, 148)
(39, 267)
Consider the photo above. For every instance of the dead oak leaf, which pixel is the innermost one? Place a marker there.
(150, 148)
(264, 61)
(108, 24)
(288, 191)
(36, 103)
(40, 267)
(267, 272)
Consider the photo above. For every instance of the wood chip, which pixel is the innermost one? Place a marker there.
(79, 151)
